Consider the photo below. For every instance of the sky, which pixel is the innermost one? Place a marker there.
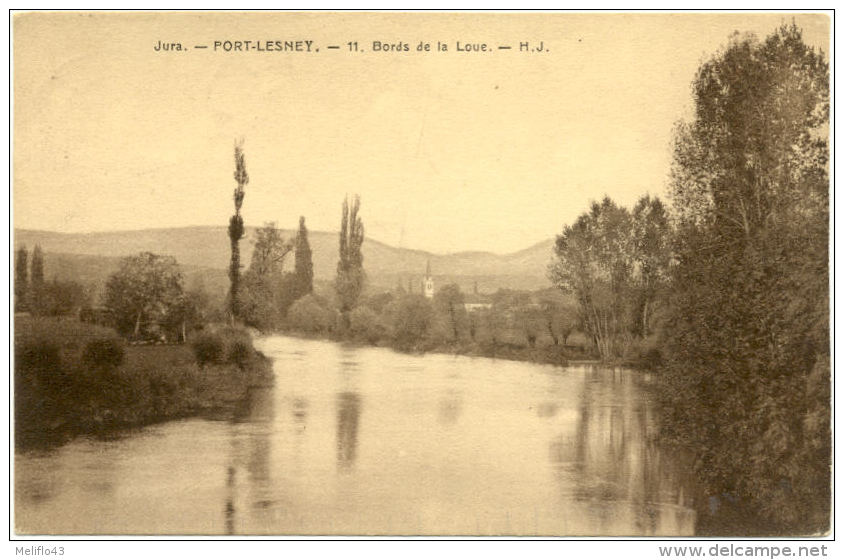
(449, 151)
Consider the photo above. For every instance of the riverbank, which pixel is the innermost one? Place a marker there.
(73, 378)
(559, 355)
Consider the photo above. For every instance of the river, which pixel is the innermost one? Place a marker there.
(370, 441)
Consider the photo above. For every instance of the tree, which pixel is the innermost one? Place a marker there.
(449, 301)
(270, 251)
(185, 312)
(264, 280)
(350, 274)
(311, 314)
(36, 272)
(412, 320)
(304, 269)
(21, 280)
(500, 322)
(146, 287)
(366, 325)
(595, 263)
(747, 381)
(44, 298)
(60, 298)
(531, 321)
(560, 318)
(236, 229)
(652, 255)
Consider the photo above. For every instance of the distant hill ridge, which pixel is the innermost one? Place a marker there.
(207, 247)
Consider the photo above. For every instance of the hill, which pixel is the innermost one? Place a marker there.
(203, 252)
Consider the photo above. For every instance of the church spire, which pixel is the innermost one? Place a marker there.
(428, 284)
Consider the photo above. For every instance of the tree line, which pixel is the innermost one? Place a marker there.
(733, 281)
(35, 295)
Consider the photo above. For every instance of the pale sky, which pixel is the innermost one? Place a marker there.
(450, 151)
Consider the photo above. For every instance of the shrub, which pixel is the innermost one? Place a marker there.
(208, 348)
(366, 325)
(240, 352)
(38, 356)
(104, 352)
(413, 319)
(309, 314)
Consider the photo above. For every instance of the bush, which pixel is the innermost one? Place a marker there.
(240, 352)
(208, 348)
(310, 314)
(104, 352)
(38, 356)
(366, 325)
(413, 319)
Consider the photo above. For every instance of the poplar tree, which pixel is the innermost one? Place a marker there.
(36, 281)
(36, 273)
(350, 275)
(21, 280)
(236, 229)
(304, 269)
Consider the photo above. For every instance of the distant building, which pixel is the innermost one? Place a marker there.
(476, 302)
(476, 305)
(429, 282)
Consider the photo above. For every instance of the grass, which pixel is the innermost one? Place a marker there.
(59, 395)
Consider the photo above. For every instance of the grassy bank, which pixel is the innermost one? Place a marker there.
(73, 378)
(554, 355)
(559, 355)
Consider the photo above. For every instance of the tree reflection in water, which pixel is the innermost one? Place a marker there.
(611, 463)
(348, 417)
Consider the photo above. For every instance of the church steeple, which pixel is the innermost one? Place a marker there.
(429, 282)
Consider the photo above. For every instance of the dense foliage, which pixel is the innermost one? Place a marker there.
(146, 291)
(615, 264)
(350, 275)
(21, 280)
(74, 378)
(747, 340)
(264, 284)
(304, 268)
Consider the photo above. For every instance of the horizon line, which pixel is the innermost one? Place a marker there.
(205, 226)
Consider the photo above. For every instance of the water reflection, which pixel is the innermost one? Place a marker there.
(611, 460)
(228, 510)
(547, 409)
(348, 416)
(251, 450)
(449, 409)
(261, 411)
(300, 412)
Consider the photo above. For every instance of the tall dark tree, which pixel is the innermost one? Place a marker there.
(37, 285)
(304, 269)
(350, 275)
(21, 279)
(236, 230)
(748, 376)
(449, 301)
(36, 273)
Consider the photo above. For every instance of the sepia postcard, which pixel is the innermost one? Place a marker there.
(473, 274)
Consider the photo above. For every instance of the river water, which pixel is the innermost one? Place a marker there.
(369, 441)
